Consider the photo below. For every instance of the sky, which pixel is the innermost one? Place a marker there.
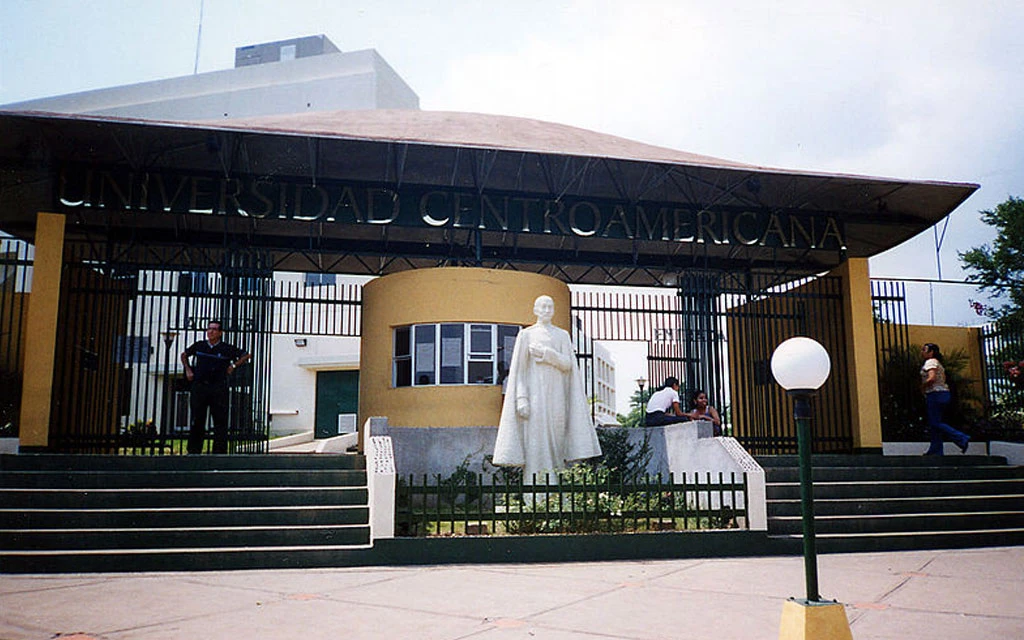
(905, 89)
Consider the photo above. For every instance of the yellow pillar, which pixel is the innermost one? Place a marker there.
(861, 355)
(41, 328)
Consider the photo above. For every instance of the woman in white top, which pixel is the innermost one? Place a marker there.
(937, 398)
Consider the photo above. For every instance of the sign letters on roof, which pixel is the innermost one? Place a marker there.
(353, 203)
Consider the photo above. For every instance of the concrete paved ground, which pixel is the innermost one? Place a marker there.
(970, 594)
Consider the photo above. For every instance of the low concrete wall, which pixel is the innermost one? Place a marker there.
(690, 448)
(677, 449)
(441, 450)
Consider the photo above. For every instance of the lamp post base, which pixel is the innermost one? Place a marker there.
(814, 620)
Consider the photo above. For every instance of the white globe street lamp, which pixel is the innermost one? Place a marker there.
(801, 365)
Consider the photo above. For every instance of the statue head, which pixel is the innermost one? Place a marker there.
(544, 308)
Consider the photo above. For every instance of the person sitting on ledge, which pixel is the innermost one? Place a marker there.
(663, 407)
(701, 410)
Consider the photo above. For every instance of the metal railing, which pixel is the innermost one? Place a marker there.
(576, 501)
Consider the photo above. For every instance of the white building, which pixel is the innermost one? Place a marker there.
(604, 385)
(291, 76)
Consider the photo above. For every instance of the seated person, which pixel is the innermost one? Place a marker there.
(663, 407)
(701, 410)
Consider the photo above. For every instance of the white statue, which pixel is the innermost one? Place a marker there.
(545, 420)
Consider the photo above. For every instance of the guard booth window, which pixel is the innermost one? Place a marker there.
(403, 358)
(425, 354)
(452, 360)
(452, 354)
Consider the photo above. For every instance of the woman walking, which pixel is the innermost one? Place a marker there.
(937, 398)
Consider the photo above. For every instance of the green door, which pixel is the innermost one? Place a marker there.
(336, 392)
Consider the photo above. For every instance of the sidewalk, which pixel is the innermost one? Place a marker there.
(959, 594)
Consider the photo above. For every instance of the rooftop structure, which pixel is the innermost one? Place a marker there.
(291, 76)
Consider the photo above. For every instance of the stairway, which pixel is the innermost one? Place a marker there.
(83, 513)
(888, 503)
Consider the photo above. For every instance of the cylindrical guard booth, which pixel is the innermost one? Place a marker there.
(442, 295)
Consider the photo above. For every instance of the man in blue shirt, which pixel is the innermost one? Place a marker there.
(214, 361)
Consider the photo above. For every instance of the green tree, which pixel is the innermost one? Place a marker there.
(999, 268)
(637, 412)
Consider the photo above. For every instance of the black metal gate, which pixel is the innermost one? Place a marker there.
(124, 321)
(716, 331)
(122, 324)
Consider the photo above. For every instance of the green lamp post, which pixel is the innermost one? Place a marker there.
(801, 365)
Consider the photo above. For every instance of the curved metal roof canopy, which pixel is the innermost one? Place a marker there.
(382, 191)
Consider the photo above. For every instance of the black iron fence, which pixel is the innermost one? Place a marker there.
(15, 280)
(576, 501)
(1002, 348)
(900, 402)
(717, 331)
(119, 385)
(998, 414)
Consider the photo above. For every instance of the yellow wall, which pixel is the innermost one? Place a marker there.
(861, 354)
(950, 339)
(451, 294)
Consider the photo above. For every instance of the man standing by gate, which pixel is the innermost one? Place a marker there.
(215, 360)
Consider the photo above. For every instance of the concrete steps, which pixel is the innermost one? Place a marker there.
(882, 503)
(120, 513)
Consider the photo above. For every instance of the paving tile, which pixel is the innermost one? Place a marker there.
(960, 595)
(782, 577)
(1003, 563)
(309, 620)
(477, 591)
(323, 581)
(611, 573)
(102, 607)
(899, 623)
(892, 563)
(653, 613)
